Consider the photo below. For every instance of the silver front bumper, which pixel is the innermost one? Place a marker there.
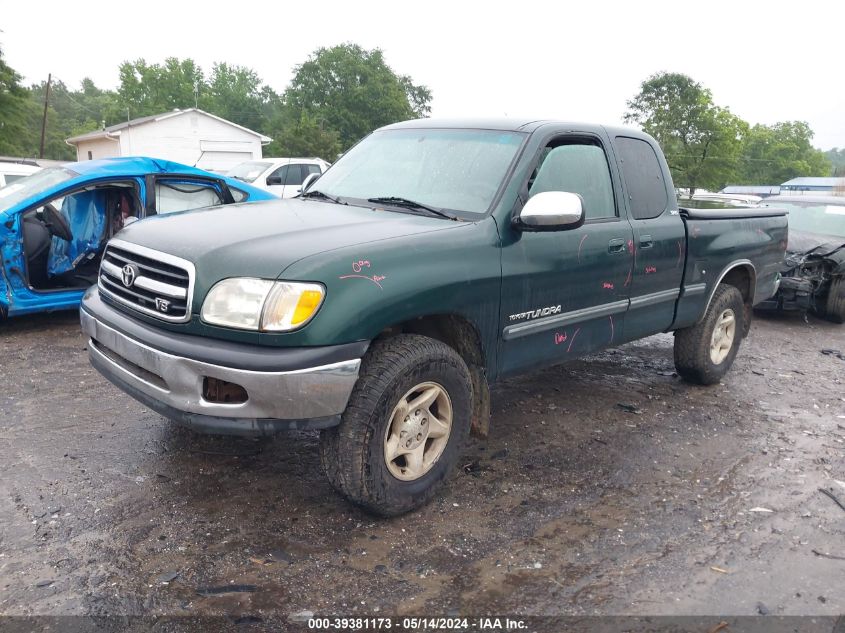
(177, 382)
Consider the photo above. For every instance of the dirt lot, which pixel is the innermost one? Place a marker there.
(607, 486)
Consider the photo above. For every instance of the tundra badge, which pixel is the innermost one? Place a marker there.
(533, 314)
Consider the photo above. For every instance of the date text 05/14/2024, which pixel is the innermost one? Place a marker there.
(416, 624)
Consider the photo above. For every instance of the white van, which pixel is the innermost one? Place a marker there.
(280, 176)
(10, 171)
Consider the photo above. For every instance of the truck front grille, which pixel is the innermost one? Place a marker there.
(146, 280)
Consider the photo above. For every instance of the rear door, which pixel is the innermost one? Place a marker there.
(564, 293)
(659, 238)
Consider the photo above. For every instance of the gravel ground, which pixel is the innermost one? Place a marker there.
(607, 486)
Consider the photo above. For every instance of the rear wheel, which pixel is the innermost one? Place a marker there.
(705, 352)
(834, 309)
(406, 422)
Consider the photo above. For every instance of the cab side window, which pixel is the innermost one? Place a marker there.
(294, 175)
(577, 167)
(278, 177)
(643, 178)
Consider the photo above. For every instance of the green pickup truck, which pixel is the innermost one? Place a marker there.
(432, 260)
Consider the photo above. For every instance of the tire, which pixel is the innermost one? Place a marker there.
(834, 308)
(354, 455)
(696, 358)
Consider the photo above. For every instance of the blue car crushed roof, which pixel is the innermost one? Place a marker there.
(55, 223)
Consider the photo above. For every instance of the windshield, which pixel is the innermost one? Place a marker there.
(459, 169)
(821, 219)
(248, 171)
(29, 186)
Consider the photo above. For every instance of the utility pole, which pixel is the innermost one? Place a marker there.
(44, 120)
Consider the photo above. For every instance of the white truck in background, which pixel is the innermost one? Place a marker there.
(280, 176)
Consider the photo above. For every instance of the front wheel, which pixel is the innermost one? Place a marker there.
(705, 352)
(403, 429)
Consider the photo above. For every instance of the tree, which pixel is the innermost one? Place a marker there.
(837, 161)
(352, 91)
(147, 89)
(304, 136)
(15, 111)
(701, 141)
(777, 153)
(237, 94)
(72, 112)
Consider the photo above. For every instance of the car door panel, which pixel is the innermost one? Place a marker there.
(565, 293)
(659, 240)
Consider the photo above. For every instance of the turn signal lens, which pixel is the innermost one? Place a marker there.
(307, 305)
(290, 305)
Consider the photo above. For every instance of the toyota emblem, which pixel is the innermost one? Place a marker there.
(129, 272)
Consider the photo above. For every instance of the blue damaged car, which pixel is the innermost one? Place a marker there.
(55, 223)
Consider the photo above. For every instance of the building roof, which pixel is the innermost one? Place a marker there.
(809, 181)
(752, 189)
(113, 131)
(838, 201)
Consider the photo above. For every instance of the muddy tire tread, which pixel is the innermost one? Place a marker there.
(692, 344)
(345, 450)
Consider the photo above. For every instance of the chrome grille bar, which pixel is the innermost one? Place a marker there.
(147, 280)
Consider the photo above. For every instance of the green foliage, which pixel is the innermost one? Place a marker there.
(352, 91)
(303, 136)
(774, 154)
(837, 161)
(707, 146)
(237, 94)
(15, 114)
(702, 141)
(338, 95)
(147, 89)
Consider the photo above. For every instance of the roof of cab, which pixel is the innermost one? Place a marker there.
(512, 125)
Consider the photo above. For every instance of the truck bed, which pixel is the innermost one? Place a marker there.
(719, 238)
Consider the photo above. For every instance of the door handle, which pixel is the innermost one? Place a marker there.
(646, 241)
(616, 245)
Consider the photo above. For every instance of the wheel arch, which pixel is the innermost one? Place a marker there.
(742, 275)
(462, 335)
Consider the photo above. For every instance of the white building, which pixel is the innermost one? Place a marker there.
(192, 137)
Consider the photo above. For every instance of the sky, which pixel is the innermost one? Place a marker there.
(765, 61)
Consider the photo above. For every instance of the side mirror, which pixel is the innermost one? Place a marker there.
(274, 180)
(309, 180)
(552, 211)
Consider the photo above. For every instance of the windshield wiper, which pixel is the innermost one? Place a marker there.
(324, 196)
(411, 204)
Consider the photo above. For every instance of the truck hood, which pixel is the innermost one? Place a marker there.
(261, 239)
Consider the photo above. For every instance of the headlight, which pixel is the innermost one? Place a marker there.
(260, 304)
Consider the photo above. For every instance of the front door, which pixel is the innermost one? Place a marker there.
(565, 293)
